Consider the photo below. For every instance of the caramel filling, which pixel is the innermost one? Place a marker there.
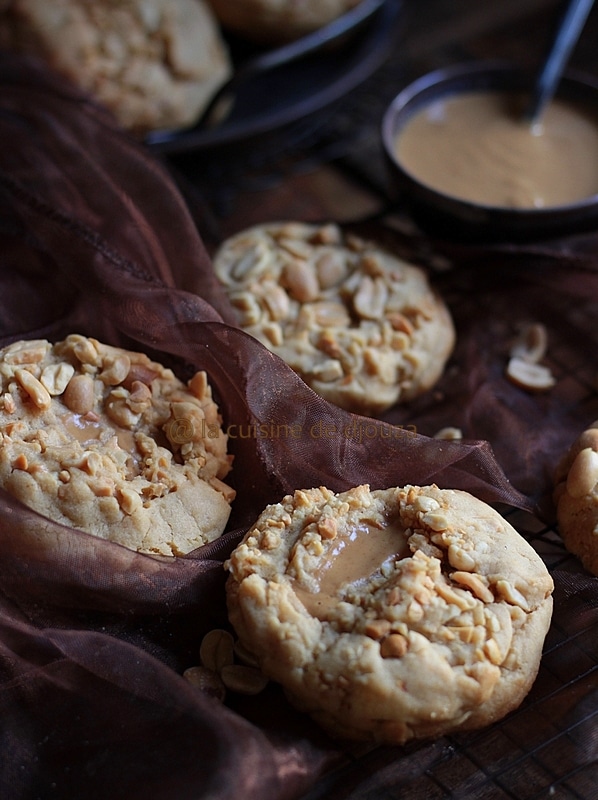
(353, 557)
(83, 430)
(87, 429)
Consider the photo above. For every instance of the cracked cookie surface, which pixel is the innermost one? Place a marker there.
(363, 328)
(107, 441)
(576, 498)
(391, 614)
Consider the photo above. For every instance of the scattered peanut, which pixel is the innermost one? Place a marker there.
(273, 332)
(248, 309)
(492, 651)
(129, 501)
(79, 394)
(20, 462)
(435, 520)
(115, 369)
(91, 463)
(300, 278)
(36, 391)
(329, 314)
(511, 594)
(394, 646)
(251, 263)
(460, 559)
(216, 650)
(400, 322)
(26, 352)
(377, 629)
(530, 376)
(475, 583)
(140, 397)
(218, 670)
(118, 410)
(55, 377)
(83, 348)
(449, 434)
(277, 302)
(330, 269)
(530, 345)
(328, 371)
(199, 385)
(243, 680)
(327, 528)
(8, 403)
(370, 298)
(207, 681)
(294, 245)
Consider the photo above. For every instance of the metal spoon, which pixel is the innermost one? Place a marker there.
(221, 105)
(567, 34)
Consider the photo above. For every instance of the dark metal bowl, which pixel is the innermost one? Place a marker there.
(451, 217)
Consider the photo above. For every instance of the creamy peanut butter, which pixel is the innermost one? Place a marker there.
(92, 427)
(355, 556)
(476, 147)
(85, 428)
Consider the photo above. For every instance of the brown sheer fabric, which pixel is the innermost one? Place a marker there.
(96, 239)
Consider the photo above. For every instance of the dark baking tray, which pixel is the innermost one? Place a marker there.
(293, 91)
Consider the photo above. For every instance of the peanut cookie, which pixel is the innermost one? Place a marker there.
(274, 21)
(391, 614)
(576, 498)
(362, 327)
(107, 441)
(153, 63)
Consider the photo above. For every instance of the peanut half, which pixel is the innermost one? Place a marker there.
(218, 670)
(529, 376)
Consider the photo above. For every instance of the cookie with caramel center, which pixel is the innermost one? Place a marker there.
(393, 614)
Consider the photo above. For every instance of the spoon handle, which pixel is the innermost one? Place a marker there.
(569, 29)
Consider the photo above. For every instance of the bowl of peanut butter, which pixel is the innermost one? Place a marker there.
(466, 163)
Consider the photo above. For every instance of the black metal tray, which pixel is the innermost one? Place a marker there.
(293, 91)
